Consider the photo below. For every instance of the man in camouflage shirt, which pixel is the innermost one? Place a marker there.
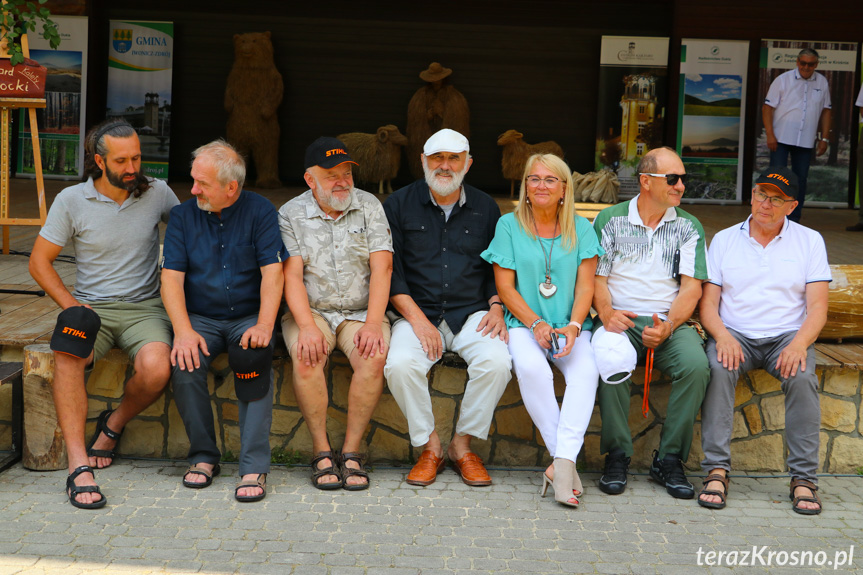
(337, 288)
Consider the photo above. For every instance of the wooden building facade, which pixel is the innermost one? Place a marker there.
(529, 66)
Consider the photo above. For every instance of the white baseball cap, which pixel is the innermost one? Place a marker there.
(615, 356)
(446, 140)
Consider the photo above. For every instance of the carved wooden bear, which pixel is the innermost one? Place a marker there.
(252, 96)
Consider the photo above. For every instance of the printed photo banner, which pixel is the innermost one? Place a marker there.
(710, 118)
(829, 174)
(140, 62)
(61, 122)
(633, 83)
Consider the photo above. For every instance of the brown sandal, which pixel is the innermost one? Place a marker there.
(798, 482)
(261, 482)
(333, 469)
(353, 472)
(723, 479)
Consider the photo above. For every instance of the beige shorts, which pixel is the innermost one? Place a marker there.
(343, 338)
(131, 326)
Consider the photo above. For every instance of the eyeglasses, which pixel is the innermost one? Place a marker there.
(534, 181)
(672, 179)
(761, 197)
(807, 64)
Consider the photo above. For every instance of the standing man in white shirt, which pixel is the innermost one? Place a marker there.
(796, 107)
(858, 227)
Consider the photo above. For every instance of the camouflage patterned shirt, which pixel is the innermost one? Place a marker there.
(336, 270)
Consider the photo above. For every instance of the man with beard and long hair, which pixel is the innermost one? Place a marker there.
(112, 220)
(446, 300)
(337, 283)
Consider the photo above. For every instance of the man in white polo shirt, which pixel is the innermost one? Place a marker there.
(764, 305)
(797, 103)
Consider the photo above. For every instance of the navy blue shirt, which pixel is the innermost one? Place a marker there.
(222, 256)
(437, 262)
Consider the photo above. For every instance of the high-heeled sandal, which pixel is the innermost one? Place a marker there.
(564, 473)
(577, 487)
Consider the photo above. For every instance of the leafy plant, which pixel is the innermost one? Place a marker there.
(859, 470)
(20, 17)
(229, 457)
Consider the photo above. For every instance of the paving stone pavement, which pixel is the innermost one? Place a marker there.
(154, 525)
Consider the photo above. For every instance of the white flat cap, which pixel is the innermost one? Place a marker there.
(446, 140)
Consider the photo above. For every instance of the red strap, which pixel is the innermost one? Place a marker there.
(648, 374)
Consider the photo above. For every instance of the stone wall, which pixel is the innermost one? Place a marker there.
(757, 445)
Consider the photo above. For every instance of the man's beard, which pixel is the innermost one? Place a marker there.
(444, 188)
(117, 180)
(329, 200)
(204, 205)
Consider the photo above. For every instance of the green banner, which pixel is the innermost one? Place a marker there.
(140, 66)
(710, 118)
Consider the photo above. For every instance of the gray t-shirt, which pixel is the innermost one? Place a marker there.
(116, 247)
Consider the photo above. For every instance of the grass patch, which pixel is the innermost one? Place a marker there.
(289, 457)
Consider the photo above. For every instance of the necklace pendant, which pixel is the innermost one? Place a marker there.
(547, 289)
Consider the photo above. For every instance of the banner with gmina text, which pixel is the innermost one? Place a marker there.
(140, 65)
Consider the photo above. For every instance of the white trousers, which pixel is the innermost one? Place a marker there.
(562, 427)
(488, 367)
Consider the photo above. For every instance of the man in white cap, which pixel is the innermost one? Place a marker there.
(764, 306)
(445, 295)
(647, 285)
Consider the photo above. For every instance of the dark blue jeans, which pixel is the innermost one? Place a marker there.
(193, 401)
(800, 160)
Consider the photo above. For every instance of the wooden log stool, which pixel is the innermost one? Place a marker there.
(44, 447)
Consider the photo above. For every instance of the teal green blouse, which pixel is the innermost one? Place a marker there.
(513, 249)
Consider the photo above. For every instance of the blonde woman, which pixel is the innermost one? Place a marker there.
(544, 257)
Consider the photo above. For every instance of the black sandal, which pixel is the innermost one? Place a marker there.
(261, 482)
(333, 469)
(798, 482)
(102, 427)
(351, 472)
(720, 494)
(198, 470)
(72, 490)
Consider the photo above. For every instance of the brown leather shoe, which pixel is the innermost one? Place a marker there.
(426, 469)
(472, 470)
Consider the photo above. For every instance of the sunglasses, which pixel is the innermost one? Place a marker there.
(672, 179)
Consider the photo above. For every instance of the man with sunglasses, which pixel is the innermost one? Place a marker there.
(797, 103)
(647, 285)
(764, 305)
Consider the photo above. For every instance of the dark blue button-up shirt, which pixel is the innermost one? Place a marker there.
(437, 262)
(222, 256)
